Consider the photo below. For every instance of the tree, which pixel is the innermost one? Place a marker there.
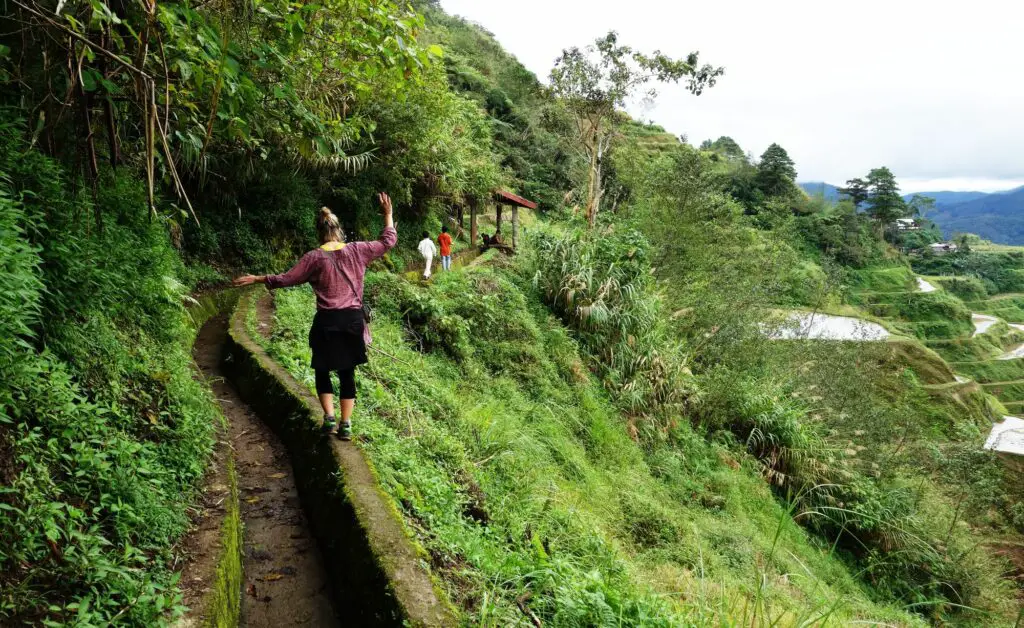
(856, 190)
(920, 205)
(776, 172)
(182, 89)
(726, 148)
(594, 83)
(963, 242)
(885, 204)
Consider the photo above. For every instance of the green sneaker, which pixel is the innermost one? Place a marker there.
(329, 425)
(345, 431)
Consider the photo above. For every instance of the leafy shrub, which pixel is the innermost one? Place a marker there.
(843, 234)
(104, 432)
(999, 272)
(966, 288)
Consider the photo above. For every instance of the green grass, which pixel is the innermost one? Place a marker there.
(992, 370)
(224, 601)
(894, 279)
(520, 478)
(1007, 307)
(1008, 391)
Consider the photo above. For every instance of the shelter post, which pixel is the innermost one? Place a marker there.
(472, 221)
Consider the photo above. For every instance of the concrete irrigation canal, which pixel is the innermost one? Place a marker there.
(294, 528)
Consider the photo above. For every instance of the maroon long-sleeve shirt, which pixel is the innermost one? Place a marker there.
(333, 291)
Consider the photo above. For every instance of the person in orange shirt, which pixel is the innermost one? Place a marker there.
(445, 241)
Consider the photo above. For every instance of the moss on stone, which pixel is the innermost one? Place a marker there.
(224, 605)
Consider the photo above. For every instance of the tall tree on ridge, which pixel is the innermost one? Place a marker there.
(776, 172)
(885, 204)
(856, 190)
(599, 80)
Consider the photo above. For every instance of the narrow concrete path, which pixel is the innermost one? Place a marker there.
(285, 580)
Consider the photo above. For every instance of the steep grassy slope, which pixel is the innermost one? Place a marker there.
(520, 477)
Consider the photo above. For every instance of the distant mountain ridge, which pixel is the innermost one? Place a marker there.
(814, 188)
(998, 217)
(949, 198)
(995, 216)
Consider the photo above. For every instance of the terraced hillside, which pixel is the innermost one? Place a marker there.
(982, 340)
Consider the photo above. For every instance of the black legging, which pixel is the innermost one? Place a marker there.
(324, 385)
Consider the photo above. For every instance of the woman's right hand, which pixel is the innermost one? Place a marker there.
(248, 280)
(385, 203)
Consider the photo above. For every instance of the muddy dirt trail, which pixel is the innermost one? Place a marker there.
(285, 580)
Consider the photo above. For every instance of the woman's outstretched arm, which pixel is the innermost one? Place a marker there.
(299, 274)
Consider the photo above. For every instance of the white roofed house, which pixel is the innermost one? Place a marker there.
(907, 224)
(942, 248)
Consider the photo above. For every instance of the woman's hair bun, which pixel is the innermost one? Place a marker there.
(328, 227)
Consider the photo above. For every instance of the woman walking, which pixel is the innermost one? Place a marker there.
(339, 333)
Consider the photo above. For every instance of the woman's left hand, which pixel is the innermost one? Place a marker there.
(248, 280)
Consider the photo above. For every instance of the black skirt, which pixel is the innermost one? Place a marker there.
(336, 339)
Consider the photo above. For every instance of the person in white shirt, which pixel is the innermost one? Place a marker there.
(428, 251)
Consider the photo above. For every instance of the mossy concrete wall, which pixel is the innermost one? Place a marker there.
(378, 574)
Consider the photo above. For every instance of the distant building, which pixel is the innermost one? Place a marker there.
(942, 248)
(907, 224)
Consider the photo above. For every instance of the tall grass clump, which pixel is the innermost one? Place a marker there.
(601, 286)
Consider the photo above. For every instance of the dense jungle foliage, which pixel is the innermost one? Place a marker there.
(596, 431)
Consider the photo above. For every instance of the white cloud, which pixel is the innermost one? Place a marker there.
(928, 88)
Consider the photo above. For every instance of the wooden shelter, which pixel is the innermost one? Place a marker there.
(501, 198)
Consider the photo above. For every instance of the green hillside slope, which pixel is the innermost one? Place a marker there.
(519, 476)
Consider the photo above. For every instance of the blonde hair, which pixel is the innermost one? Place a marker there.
(328, 227)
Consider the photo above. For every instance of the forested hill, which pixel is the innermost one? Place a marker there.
(624, 421)
(997, 216)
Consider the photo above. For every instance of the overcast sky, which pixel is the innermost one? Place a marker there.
(932, 89)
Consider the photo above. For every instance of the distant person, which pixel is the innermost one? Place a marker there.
(486, 240)
(445, 241)
(428, 251)
(496, 240)
(340, 333)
